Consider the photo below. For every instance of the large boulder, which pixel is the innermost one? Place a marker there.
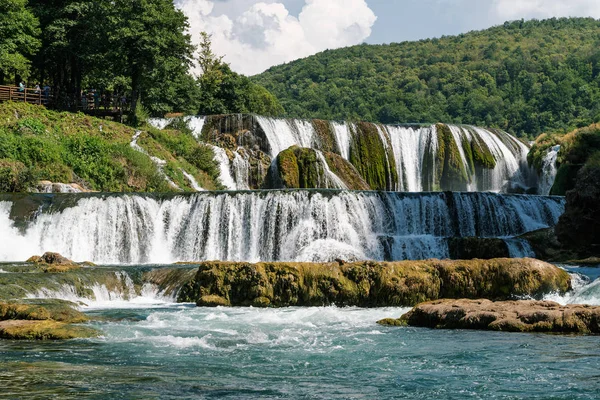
(369, 283)
(511, 316)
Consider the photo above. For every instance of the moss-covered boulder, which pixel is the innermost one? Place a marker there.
(510, 316)
(369, 283)
(54, 263)
(48, 320)
(304, 168)
(372, 158)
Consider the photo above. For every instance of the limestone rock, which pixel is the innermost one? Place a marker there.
(369, 283)
(511, 316)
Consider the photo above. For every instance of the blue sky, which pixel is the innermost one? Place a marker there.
(255, 35)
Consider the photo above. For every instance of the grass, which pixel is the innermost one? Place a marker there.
(40, 144)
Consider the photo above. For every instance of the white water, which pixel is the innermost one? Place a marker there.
(193, 182)
(584, 292)
(409, 146)
(332, 181)
(224, 167)
(283, 134)
(343, 137)
(519, 248)
(548, 171)
(124, 295)
(270, 226)
(159, 123)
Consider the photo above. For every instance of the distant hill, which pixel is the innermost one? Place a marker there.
(523, 77)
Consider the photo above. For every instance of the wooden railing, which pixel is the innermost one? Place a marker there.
(27, 95)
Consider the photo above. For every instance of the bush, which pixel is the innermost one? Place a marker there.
(15, 176)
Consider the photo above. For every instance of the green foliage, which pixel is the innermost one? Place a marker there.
(223, 91)
(15, 177)
(36, 144)
(19, 31)
(523, 77)
(577, 149)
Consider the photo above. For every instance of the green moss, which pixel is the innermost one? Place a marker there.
(326, 135)
(450, 169)
(370, 284)
(371, 158)
(43, 330)
(346, 172)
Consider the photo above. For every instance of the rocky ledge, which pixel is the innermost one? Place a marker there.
(52, 320)
(509, 316)
(369, 284)
(55, 263)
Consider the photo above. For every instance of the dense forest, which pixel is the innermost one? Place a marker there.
(139, 50)
(523, 77)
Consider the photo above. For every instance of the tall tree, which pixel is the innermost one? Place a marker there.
(19, 38)
(148, 36)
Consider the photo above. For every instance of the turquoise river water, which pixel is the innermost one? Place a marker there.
(152, 349)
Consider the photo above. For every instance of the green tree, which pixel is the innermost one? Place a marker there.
(223, 91)
(19, 38)
(148, 41)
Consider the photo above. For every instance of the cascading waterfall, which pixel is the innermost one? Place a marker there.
(519, 248)
(270, 226)
(409, 146)
(332, 181)
(549, 170)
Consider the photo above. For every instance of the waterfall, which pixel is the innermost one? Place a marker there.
(283, 134)
(225, 168)
(409, 146)
(548, 171)
(269, 225)
(519, 248)
(343, 137)
(193, 182)
(332, 181)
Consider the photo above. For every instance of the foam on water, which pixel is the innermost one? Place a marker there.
(584, 291)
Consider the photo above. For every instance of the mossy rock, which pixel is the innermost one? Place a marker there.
(43, 330)
(369, 284)
(212, 301)
(392, 322)
(372, 159)
(450, 169)
(57, 310)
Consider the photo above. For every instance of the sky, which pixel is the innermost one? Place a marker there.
(255, 35)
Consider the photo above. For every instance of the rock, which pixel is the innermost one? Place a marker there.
(51, 320)
(212, 301)
(55, 263)
(466, 248)
(369, 283)
(510, 316)
(43, 330)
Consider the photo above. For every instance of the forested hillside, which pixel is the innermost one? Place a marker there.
(523, 77)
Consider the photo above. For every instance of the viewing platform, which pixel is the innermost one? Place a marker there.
(91, 103)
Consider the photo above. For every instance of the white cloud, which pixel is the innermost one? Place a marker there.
(516, 9)
(266, 34)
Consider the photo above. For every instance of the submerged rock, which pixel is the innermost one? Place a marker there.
(369, 283)
(510, 316)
